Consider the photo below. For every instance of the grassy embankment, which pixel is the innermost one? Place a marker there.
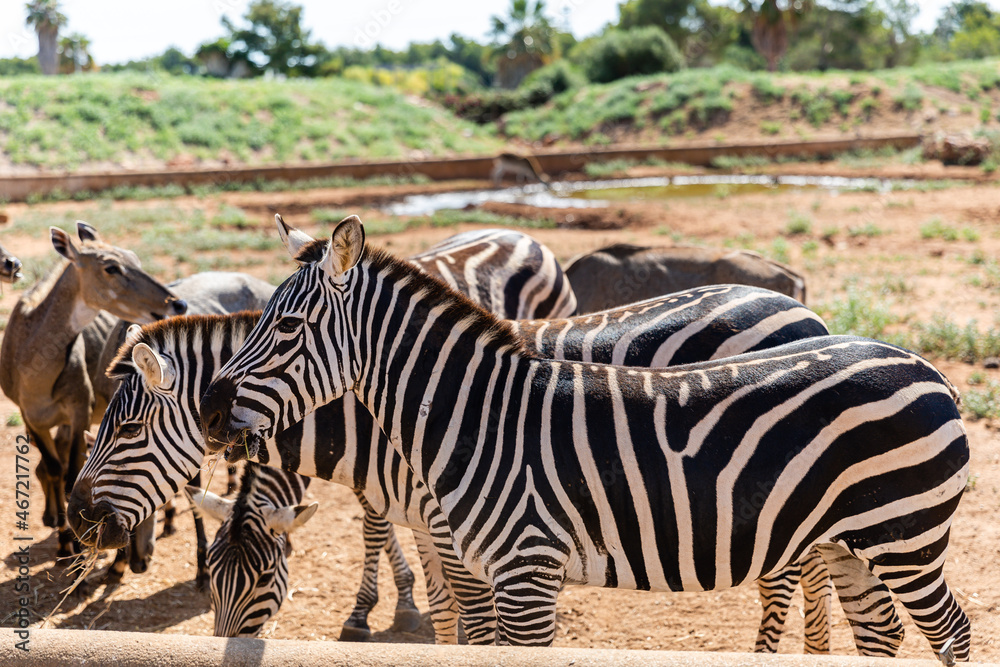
(725, 103)
(128, 120)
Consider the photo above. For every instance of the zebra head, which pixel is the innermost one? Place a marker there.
(248, 560)
(302, 352)
(149, 443)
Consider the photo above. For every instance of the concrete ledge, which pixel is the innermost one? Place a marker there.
(19, 188)
(96, 648)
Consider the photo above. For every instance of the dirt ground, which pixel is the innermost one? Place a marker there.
(916, 277)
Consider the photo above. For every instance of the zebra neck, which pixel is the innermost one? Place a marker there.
(417, 338)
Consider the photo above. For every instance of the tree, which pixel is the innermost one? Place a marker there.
(771, 22)
(682, 20)
(620, 53)
(274, 39)
(44, 16)
(75, 52)
(969, 29)
(523, 41)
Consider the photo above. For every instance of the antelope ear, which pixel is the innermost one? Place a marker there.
(345, 248)
(209, 503)
(63, 243)
(292, 238)
(287, 519)
(133, 334)
(157, 370)
(86, 231)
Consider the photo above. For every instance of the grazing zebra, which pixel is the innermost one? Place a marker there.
(704, 323)
(245, 596)
(252, 540)
(551, 472)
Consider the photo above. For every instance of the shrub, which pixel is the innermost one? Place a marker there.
(621, 53)
(557, 77)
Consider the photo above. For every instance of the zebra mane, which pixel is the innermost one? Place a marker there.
(159, 335)
(481, 323)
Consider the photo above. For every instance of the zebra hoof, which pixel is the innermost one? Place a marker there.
(407, 620)
(947, 653)
(168, 530)
(201, 582)
(349, 634)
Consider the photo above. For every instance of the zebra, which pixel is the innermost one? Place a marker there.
(739, 318)
(505, 271)
(729, 307)
(253, 539)
(243, 602)
(552, 472)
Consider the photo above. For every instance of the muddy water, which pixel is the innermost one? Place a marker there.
(586, 194)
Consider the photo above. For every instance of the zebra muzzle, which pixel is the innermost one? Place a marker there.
(247, 448)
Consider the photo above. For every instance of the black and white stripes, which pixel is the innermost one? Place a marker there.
(697, 477)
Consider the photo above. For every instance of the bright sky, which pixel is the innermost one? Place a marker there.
(122, 30)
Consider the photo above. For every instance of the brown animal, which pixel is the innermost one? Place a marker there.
(52, 345)
(10, 267)
(624, 273)
(522, 167)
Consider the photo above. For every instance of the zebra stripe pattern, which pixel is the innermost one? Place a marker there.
(248, 560)
(648, 328)
(605, 498)
(504, 271)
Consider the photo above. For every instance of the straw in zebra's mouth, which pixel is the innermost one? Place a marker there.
(246, 449)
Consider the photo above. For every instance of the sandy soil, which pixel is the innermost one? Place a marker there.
(916, 277)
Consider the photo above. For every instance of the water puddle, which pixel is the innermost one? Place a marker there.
(596, 194)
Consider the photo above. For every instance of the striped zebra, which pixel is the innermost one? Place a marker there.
(243, 599)
(552, 472)
(725, 319)
(504, 271)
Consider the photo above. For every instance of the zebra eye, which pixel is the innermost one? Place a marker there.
(289, 324)
(129, 430)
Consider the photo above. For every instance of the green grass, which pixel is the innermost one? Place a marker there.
(798, 224)
(935, 228)
(697, 100)
(67, 121)
(982, 403)
(14, 419)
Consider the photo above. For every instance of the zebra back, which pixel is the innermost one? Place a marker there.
(504, 271)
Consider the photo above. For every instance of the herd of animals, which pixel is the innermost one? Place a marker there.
(662, 419)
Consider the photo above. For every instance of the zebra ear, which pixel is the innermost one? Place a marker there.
(292, 238)
(63, 243)
(209, 503)
(346, 246)
(157, 370)
(287, 519)
(133, 334)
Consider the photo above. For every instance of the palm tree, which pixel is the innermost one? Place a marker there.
(45, 17)
(524, 41)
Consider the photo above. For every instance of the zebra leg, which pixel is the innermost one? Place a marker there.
(775, 591)
(440, 598)
(526, 602)
(817, 590)
(376, 536)
(474, 597)
(201, 574)
(116, 572)
(878, 632)
(169, 512)
(407, 617)
(917, 579)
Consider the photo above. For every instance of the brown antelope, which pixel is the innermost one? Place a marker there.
(10, 267)
(52, 345)
(521, 166)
